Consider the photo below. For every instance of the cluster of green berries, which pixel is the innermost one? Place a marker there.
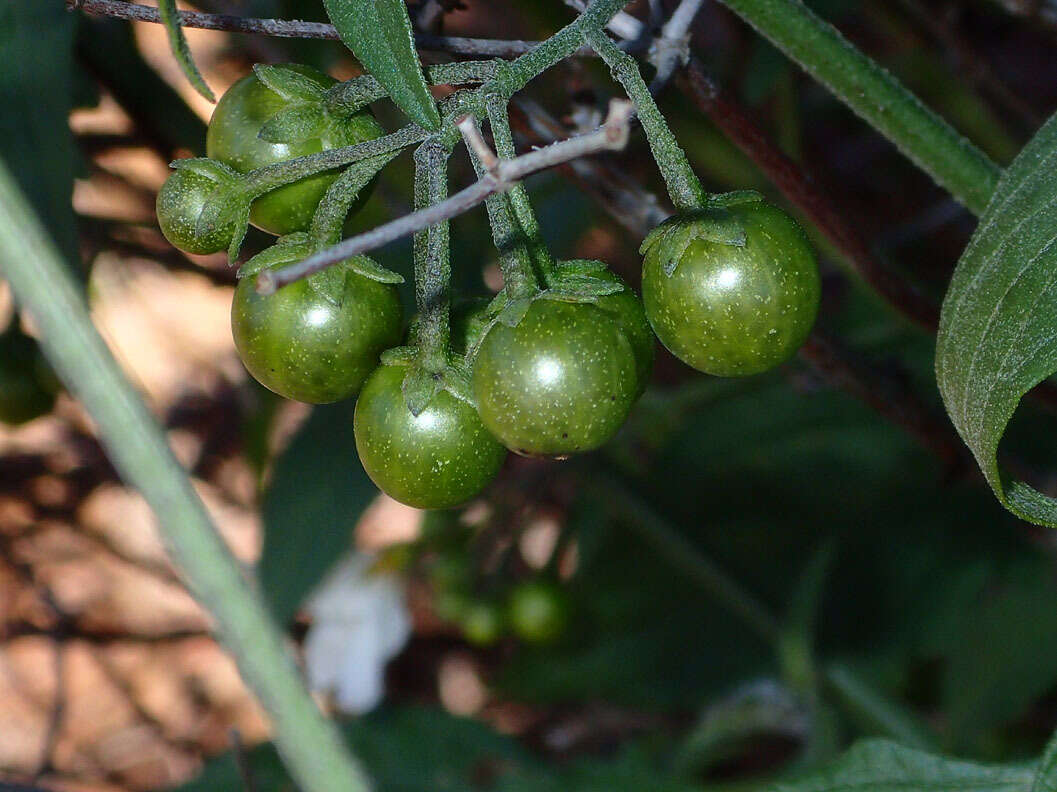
(562, 380)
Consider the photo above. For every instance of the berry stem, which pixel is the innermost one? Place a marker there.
(518, 199)
(328, 222)
(353, 95)
(684, 188)
(515, 262)
(432, 250)
(270, 177)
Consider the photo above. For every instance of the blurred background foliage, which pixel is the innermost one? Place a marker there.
(888, 594)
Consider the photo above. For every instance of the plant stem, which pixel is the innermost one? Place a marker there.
(262, 180)
(877, 96)
(328, 221)
(517, 198)
(515, 262)
(684, 188)
(611, 136)
(433, 258)
(352, 95)
(885, 715)
(310, 746)
(514, 76)
(681, 554)
(285, 28)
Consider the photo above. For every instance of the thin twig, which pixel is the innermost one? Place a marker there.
(611, 136)
(284, 28)
(672, 47)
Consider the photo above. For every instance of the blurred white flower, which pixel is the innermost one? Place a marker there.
(359, 622)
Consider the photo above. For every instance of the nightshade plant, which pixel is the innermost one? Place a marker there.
(549, 322)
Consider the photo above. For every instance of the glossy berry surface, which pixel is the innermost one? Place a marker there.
(233, 139)
(305, 347)
(438, 459)
(538, 611)
(628, 310)
(734, 311)
(560, 382)
(180, 202)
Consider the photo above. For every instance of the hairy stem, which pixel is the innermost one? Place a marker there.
(683, 185)
(515, 262)
(877, 96)
(270, 177)
(613, 135)
(285, 28)
(518, 199)
(310, 745)
(433, 258)
(352, 95)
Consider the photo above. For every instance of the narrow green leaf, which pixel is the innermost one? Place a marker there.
(178, 43)
(379, 34)
(317, 494)
(294, 124)
(883, 766)
(999, 319)
(1046, 774)
(36, 67)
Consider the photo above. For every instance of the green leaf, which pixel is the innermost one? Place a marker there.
(289, 84)
(36, 63)
(765, 707)
(316, 496)
(999, 318)
(294, 124)
(1046, 774)
(170, 17)
(379, 34)
(883, 766)
(406, 749)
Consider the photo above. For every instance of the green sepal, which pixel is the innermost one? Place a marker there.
(399, 356)
(369, 268)
(329, 283)
(242, 227)
(210, 168)
(289, 84)
(670, 240)
(295, 124)
(458, 382)
(228, 204)
(286, 250)
(419, 387)
(735, 198)
(513, 311)
(581, 280)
